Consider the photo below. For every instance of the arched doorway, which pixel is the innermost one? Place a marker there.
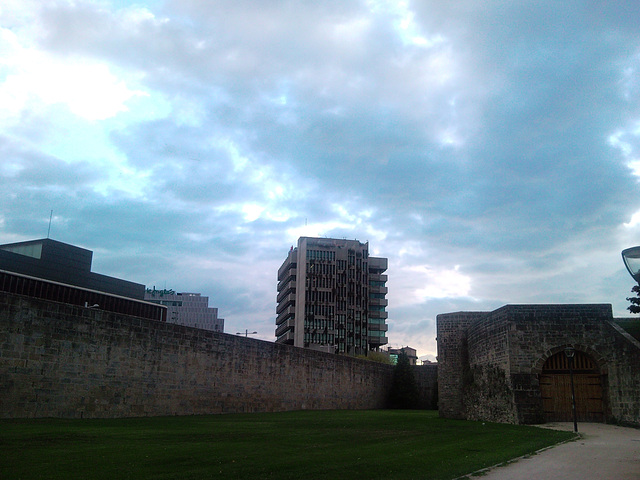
(555, 389)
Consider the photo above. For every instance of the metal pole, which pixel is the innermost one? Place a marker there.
(246, 333)
(573, 397)
(50, 217)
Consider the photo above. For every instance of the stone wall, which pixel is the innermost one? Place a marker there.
(539, 331)
(490, 363)
(427, 380)
(453, 361)
(59, 360)
(623, 376)
(487, 386)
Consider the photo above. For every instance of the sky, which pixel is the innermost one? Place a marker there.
(489, 150)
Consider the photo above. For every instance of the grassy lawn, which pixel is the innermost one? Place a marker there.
(381, 444)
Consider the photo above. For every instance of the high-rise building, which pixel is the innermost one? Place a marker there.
(189, 309)
(332, 297)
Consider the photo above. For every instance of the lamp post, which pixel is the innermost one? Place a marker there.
(570, 352)
(631, 258)
(246, 333)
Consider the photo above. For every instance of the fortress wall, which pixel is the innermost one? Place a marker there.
(487, 385)
(427, 379)
(453, 361)
(489, 364)
(539, 331)
(59, 360)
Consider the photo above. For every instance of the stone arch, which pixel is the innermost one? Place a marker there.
(555, 385)
(595, 356)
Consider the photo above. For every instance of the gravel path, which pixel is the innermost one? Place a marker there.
(604, 452)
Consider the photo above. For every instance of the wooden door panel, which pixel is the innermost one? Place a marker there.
(555, 391)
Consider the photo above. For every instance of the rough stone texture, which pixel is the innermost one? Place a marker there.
(427, 380)
(624, 377)
(59, 360)
(487, 390)
(490, 363)
(453, 361)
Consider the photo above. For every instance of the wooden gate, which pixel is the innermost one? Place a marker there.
(555, 389)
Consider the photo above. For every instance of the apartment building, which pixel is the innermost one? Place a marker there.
(189, 309)
(332, 297)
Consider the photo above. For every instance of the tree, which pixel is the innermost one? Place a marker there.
(404, 389)
(635, 301)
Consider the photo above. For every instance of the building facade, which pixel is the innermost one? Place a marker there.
(60, 262)
(189, 309)
(332, 297)
(410, 353)
(515, 365)
(59, 272)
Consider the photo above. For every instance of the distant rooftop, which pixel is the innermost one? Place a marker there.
(60, 262)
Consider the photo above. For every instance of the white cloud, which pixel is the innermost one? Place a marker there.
(34, 79)
(252, 212)
(404, 22)
(317, 229)
(634, 221)
(428, 282)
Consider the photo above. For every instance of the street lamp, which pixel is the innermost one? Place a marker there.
(631, 258)
(246, 333)
(570, 352)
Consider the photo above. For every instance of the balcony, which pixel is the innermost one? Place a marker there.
(289, 263)
(287, 301)
(378, 314)
(290, 280)
(377, 264)
(379, 301)
(378, 327)
(287, 338)
(377, 341)
(374, 289)
(286, 291)
(286, 313)
(284, 326)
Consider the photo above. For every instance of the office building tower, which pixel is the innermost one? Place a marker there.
(189, 309)
(332, 297)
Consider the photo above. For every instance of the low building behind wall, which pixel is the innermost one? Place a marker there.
(509, 365)
(59, 360)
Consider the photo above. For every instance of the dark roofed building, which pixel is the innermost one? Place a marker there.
(59, 272)
(60, 262)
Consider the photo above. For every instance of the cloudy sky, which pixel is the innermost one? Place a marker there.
(490, 149)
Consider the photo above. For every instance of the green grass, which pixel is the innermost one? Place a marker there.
(380, 444)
